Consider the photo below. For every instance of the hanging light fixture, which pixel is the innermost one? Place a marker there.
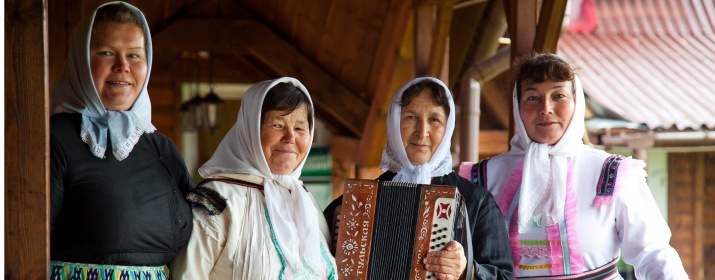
(211, 103)
(185, 117)
(196, 107)
(188, 110)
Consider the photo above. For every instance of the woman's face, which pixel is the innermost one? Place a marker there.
(118, 62)
(285, 139)
(546, 110)
(422, 126)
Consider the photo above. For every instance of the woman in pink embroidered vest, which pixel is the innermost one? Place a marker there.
(253, 219)
(571, 210)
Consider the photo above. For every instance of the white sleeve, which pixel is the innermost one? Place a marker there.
(644, 233)
(207, 241)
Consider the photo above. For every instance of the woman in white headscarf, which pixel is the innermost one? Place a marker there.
(253, 219)
(420, 123)
(117, 186)
(571, 210)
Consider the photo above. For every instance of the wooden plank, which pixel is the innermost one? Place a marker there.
(330, 96)
(492, 142)
(709, 217)
(27, 197)
(698, 204)
(681, 175)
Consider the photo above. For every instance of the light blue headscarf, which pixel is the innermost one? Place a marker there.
(75, 92)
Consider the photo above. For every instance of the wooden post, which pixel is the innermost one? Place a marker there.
(470, 113)
(26, 141)
(345, 152)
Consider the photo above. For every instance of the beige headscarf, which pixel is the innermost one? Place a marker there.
(294, 217)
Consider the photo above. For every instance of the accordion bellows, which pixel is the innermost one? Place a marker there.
(387, 228)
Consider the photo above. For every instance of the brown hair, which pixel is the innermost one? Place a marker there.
(118, 13)
(542, 67)
(439, 95)
(286, 97)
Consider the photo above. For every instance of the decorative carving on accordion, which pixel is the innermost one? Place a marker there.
(358, 201)
(371, 227)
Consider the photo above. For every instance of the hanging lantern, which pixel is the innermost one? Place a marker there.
(196, 106)
(212, 110)
(186, 118)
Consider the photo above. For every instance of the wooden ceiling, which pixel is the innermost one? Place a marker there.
(351, 55)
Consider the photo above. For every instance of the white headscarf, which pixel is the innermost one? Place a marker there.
(543, 186)
(394, 156)
(75, 92)
(294, 218)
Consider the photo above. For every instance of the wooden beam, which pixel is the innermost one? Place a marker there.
(522, 19)
(484, 43)
(491, 66)
(551, 21)
(329, 95)
(27, 165)
(498, 100)
(464, 29)
(467, 3)
(387, 74)
(432, 26)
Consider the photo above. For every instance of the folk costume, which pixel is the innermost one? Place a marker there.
(491, 253)
(572, 211)
(248, 222)
(119, 214)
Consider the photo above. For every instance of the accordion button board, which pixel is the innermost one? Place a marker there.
(386, 229)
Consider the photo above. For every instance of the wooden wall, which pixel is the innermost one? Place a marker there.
(691, 215)
(26, 141)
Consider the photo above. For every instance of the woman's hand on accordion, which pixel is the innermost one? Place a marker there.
(448, 263)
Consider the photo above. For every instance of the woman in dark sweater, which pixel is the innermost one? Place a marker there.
(123, 213)
(419, 126)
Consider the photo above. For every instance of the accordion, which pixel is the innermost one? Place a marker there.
(385, 229)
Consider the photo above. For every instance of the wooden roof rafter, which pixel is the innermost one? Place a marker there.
(329, 95)
(382, 80)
